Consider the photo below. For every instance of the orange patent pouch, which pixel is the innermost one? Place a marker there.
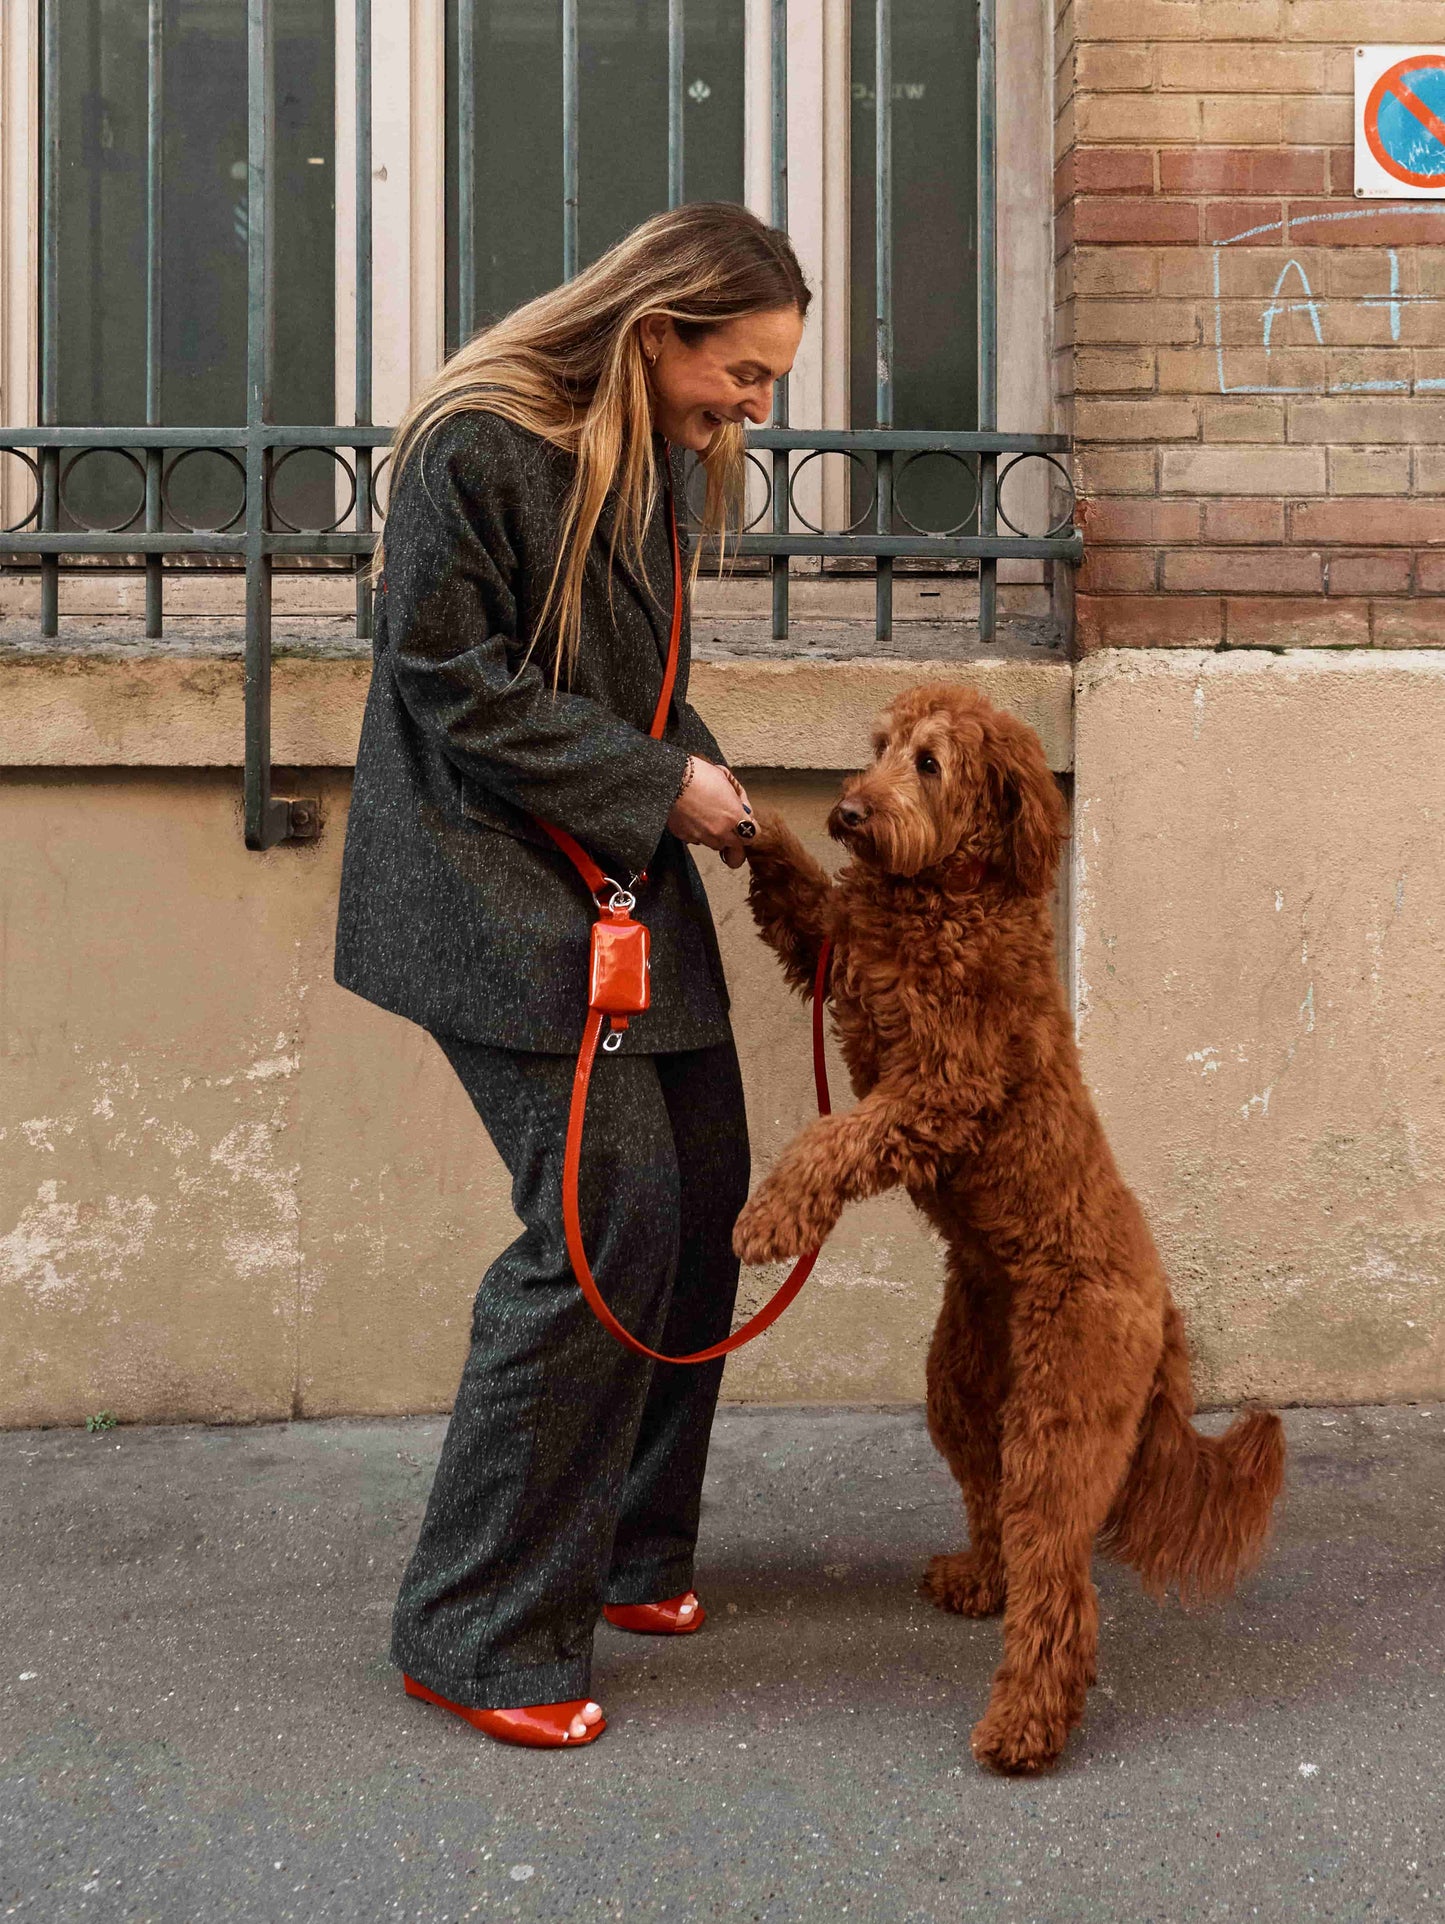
(618, 984)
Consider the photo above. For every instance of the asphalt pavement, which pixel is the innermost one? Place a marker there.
(198, 1720)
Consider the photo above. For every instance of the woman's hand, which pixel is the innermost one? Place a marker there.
(708, 810)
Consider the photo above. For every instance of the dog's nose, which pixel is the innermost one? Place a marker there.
(853, 813)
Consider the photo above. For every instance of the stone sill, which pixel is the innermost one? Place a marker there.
(103, 696)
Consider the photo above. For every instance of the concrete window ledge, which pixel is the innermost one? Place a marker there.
(99, 699)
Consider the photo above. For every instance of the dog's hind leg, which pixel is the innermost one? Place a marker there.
(1081, 1366)
(967, 1378)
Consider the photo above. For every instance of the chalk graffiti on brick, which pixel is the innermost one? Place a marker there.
(1293, 294)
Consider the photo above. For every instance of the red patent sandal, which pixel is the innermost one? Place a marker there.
(538, 1726)
(673, 1618)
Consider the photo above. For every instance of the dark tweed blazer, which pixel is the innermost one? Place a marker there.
(455, 910)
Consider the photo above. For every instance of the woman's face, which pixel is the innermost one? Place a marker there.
(727, 376)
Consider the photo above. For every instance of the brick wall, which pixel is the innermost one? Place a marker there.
(1251, 361)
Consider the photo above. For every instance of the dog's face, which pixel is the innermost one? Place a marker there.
(953, 776)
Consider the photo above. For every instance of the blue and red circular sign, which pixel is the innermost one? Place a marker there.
(1405, 120)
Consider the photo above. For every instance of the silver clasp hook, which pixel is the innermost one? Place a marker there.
(622, 896)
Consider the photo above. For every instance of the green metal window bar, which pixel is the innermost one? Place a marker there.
(256, 533)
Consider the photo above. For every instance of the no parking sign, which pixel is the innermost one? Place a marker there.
(1400, 122)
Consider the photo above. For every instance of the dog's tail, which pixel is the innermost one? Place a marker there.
(1194, 1510)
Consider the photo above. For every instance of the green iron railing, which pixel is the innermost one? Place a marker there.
(257, 534)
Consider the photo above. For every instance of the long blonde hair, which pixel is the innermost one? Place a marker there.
(569, 366)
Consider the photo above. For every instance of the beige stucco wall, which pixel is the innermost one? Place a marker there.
(1260, 896)
(230, 1190)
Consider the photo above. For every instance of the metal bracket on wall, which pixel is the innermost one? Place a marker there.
(286, 821)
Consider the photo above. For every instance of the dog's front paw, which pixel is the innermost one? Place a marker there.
(768, 1232)
(960, 1583)
(1017, 1735)
(768, 825)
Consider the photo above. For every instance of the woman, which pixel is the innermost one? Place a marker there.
(522, 630)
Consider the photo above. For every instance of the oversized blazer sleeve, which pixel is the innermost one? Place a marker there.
(461, 516)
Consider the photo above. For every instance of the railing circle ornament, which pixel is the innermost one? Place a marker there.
(695, 508)
(1066, 520)
(91, 527)
(195, 527)
(274, 515)
(762, 513)
(817, 454)
(20, 455)
(378, 468)
(904, 462)
(691, 471)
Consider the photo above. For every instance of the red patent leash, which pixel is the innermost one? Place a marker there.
(797, 1276)
(618, 987)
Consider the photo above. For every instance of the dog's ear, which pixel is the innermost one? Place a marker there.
(1030, 808)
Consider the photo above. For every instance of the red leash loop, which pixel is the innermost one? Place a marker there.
(618, 988)
(572, 1221)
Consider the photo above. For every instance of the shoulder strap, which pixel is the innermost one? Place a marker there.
(570, 847)
(674, 644)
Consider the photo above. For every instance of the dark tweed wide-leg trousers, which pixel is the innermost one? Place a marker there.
(571, 1473)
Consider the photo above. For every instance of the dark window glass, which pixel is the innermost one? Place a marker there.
(622, 133)
(935, 318)
(101, 242)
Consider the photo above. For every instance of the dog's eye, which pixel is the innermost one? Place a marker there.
(880, 742)
(926, 765)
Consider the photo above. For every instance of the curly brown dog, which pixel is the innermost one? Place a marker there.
(1058, 1380)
